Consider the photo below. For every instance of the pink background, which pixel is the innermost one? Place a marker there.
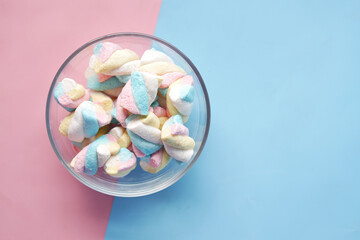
(38, 197)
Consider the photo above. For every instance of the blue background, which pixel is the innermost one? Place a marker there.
(282, 157)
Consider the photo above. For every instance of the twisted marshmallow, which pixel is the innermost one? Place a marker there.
(120, 164)
(177, 142)
(139, 93)
(156, 162)
(109, 57)
(102, 131)
(111, 85)
(144, 132)
(70, 94)
(157, 62)
(84, 122)
(180, 97)
(94, 156)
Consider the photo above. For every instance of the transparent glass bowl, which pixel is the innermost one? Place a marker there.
(138, 182)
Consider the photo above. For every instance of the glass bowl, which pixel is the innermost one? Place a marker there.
(138, 182)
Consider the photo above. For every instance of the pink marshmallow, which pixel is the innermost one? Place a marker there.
(179, 129)
(160, 112)
(66, 101)
(187, 80)
(80, 160)
(126, 99)
(121, 114)
(107, 49)
(102, 118)
(127, 164)
(156, 158)
(103, 77)
(169, 78)
(137, 152)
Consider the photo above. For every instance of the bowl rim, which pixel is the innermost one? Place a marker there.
(171, 181)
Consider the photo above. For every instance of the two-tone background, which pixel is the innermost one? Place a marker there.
(282, 159)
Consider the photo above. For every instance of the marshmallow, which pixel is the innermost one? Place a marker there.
(109, 57)
(169, 78)
(102, 100)
(121, 164)
(111, 85)
(156, 162)
(136, 151)
(177, 142)
(102, 131)
(180, 97)
(120, 114)
(94, 156)
(139, 93)
(125, 69)
(161, 68)
(70, 94)
(84, 122)
(102, 52)
(152, 55)
(157, 62)
(121, 136)
(144, 132)
(159, 111)
(161, 114)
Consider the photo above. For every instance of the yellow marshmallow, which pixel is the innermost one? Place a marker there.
(64, 125)
(117, 59)
(124, 141)
(161, 68)
(77, 92)
(170, 106)
(103, 100)
(102, 131)
(162, 121)
(147, 167)
(151, 120)
(177, 141)
(113, 148)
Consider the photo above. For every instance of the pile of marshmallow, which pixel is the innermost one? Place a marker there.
(134, 110)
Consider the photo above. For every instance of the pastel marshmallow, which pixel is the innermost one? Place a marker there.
(84, 122)
(120, 164)
(102, 100)
(137, 151)
(102, 131)
(95, 155)
(159, 111)
(103, 51)
(117, 59)
(114, 83)
(161, 114)
(177, 142)
(180, 97)
(125, 69)
(161, 68)
(152, 55)
(139, 93)
(119, 113)
(144, 132)
(121, 136)
(169, 78)
(70, 94)
(156, 162)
